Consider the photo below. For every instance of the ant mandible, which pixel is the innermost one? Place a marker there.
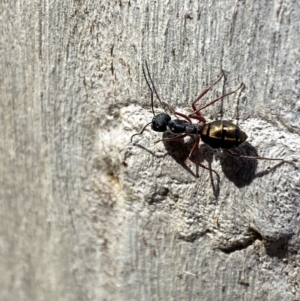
(218, 134)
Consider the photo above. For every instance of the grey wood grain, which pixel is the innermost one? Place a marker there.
(88, 215)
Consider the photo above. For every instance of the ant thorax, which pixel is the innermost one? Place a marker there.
(181, 126)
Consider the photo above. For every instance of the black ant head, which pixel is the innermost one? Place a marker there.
(160, 122)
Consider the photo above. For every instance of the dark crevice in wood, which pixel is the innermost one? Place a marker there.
(242, 244)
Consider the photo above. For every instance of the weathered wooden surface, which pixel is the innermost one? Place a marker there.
(87, 215)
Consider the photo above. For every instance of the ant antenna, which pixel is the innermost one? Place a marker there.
(151, 96)
(141, 132)
(162, 104)
(151, 91)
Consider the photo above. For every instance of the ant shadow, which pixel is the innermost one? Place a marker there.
(240, 171)
(180, 150)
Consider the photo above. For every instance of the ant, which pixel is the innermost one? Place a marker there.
(218, 134)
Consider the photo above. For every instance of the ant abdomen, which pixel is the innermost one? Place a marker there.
(222, 134)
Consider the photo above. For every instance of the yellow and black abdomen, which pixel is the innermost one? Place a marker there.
(222, 134)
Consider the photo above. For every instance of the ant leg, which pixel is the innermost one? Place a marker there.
(198, 117)
(177, 113)
(183, 116)
(196, 113)
(256, 157)
(205, 91)
(195, 147)
(173, 138)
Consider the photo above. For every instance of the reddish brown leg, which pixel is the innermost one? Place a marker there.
(205, 91)
(256, 157)
(196, 114)
(173, 138)
(195, 148)
(183, 116)
(178, 114)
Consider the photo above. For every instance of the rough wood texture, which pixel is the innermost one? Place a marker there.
(87, 215)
